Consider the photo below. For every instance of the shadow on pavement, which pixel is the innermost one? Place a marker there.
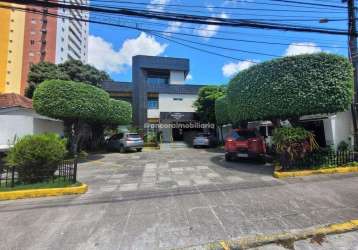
(253, 166)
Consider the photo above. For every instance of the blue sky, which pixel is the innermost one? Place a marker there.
(110, 48)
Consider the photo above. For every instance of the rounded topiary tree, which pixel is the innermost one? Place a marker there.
(221, 111)
(36, 157)
(290, 87)
(119, 113)
(67, 100)
(72, 102)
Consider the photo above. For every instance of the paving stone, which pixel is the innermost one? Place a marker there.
(128, 187)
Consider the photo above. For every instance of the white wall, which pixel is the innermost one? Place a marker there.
(153, 113)
(177, 77)
(167, 103)
(47, 126)
(14, 125)
(339, 128)
(17, 126)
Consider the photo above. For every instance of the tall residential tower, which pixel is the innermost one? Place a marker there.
(29, 38)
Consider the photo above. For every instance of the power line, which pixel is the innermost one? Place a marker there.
(34, 11)
(205, 7)
(188, 18)
(229, 39)
(311, 4)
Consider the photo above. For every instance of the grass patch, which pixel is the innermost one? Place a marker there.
(57, 183)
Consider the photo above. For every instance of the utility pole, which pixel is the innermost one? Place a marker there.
(353, 56)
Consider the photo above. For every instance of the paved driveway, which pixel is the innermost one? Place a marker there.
(174, 198)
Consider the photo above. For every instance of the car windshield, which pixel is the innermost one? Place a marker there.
(202, 135)
(243, 134)
(135, 136)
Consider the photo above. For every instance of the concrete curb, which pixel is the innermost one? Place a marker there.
(337, 170)
(294, 235)
(45, 192)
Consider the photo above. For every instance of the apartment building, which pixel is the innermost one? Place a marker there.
(29, 38)
(159, 94)
(72, 34)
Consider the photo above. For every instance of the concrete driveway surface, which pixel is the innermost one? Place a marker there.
(174, 198)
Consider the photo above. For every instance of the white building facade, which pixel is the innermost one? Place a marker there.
(72, 34)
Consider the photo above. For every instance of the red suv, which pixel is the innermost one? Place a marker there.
(244, 143)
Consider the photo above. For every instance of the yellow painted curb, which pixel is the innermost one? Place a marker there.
(337, 170)
(35, 193)
(294, 235)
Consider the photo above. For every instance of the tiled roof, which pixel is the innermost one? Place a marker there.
(115, 87)
(14, 100)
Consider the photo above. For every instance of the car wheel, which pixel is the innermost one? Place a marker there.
(139, 150)
(122, 149)
(228, 157)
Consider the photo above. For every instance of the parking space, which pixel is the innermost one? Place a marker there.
(174, 198)
(171, 169)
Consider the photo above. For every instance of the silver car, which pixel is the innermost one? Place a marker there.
(124, 141)
(204, 140)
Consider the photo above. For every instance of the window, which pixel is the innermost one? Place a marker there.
(32, 42)
(31, 54)
(157, 79)
(153, 103)
(177, 99)
(33, 21)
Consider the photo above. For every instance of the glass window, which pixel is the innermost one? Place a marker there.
(157, 80)
(153, 104)
(177, 99)
(242, 135)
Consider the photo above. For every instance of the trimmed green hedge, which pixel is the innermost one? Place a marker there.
(119, 113)
(68, 100)
(221, 111)
(71, 100)
(291, 87)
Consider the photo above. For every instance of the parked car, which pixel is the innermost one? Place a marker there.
(204, 140)
(122, 142)
(244, 143)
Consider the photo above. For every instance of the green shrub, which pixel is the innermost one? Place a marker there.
(291, 87)
(343, 146)
(221, 111)
(36, 156)
(293, 144)
(151, 137)
(119, 113)
(69, 100)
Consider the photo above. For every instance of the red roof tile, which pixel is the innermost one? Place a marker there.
(14, 100)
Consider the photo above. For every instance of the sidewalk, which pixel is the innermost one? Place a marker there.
(346, 241)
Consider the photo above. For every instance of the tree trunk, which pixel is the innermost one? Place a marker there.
(276, 122)
(75, 136)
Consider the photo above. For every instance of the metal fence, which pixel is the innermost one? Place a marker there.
(320, 159)
(66, 172)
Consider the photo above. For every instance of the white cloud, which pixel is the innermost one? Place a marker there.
(189, 77)
(230, 69)
(103, 56)
(173, 27)
(210, 7)
(210, 30)
(302, 48)
(157, 5)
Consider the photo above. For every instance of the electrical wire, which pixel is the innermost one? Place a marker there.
(190, 18)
